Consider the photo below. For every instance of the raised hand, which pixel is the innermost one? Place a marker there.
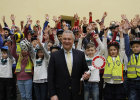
(123, 16)
(29, 22)
(29, 17)
(12, 17)
(105, 32)
(38, 22)
(126, 20)
(76, 16)
(84, 20)
(98, 21)
(105, 14)
(137, 17)
(3, 19)
(59, 18)
(121, 26)
(22, 23)
(121, 30)
(1, 29)
(47, 17)
(126, 27)
(54, 18)
(90, 14)
(64, 23)
(95, 36)
(134, 23)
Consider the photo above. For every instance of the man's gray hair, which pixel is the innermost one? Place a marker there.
(69, 32)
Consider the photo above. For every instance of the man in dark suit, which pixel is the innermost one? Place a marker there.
(66, 67)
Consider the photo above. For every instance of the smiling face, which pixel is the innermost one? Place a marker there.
(136, 48)
(113, 51)
(59, 37)
(34, 43)
(67, 40)
(91, 52)
(40, 54)
(6, 33)
(24, 53)
(4, 55)
(49, 45)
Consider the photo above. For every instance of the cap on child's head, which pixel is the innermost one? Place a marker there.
(24, 45)
(54, 47)
(31, 32)
(7, 40)
(6, 28)
(33, 38)
(9, 31)
(135, 41)
(75, 29)
(59, 31)
(113, 43)
(4, 48)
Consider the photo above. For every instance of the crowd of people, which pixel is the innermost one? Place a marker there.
(53, 62)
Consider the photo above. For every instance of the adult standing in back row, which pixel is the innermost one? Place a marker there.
(66, 67)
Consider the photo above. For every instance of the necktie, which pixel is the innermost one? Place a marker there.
(69, 62)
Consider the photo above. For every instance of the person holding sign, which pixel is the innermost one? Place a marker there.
(92, 86)
(113, 72)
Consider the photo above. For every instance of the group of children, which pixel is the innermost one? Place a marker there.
(25, 53)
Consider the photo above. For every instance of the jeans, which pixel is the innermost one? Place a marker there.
(91, 90)
(41, 91)
(25, 89)
(133, 89)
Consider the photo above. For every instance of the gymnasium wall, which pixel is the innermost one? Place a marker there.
(38, 8)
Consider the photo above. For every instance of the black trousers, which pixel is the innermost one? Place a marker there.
(114, 92)
(101, 83)
(7, 89)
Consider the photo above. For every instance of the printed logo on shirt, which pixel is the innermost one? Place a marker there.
(118, 63)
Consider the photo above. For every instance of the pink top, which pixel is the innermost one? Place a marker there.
(22, 75)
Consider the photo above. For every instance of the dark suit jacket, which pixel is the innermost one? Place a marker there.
(60, 82)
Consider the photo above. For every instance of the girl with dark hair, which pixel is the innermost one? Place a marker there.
(113, 72)
(40, 60)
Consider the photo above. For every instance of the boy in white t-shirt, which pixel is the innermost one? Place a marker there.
(6, 76)
(91, 88)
